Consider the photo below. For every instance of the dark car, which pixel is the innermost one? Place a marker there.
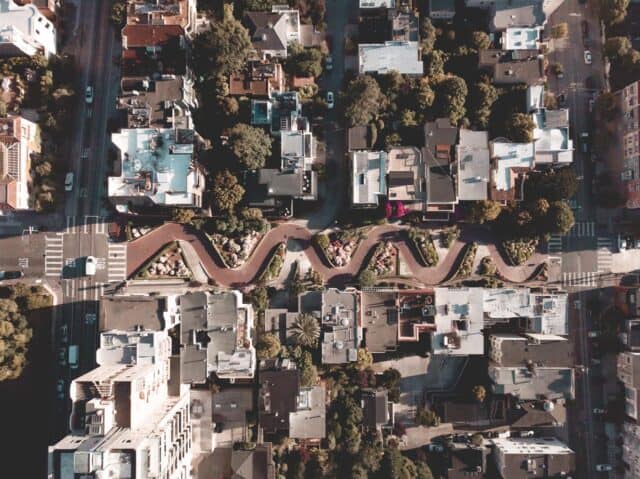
(584, 25)
(11, 274)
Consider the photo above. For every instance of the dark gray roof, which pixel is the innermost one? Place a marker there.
(359, 138)
(545, 353)
(254, 464)
(127, 312)
(263, 35)
(279, 390)
(230, 406)
(375, 408)
(466, 461)
(440, 137)
(517, 13)
(510, 67)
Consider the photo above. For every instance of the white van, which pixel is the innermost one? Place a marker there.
(90, 266)
(68, 182)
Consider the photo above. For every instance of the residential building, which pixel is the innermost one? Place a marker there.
(157, 167)
(630, 335)
(19, 140)
(535, 98)
(442, 9)
(272, 32)
(628, 142)
(164, 102)
(526, 457)
(552, 143)
(286, 184)
(129, 418)
(440, 137)
(368, 178)
(287, 407)
(153, 50)
(280, 112)
(341, 330)
(380, 58)
(359, 138)
(458, 322)
(631, 449)
(472, 153)
(406, 177)
(405, 25)
(379, 319)
(629, 375)
(126, 312)
(510, 162)
(510, 67)
(517, 38)
(377, 411)
(163, 12)
(254, 463)
(47, 7)
(258, 79)
(24, 30)
(541, 350)
(506, 14)
(215, 337)
(466, 461)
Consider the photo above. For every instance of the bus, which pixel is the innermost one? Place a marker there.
(73, 356)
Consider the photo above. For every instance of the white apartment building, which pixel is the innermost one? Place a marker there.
(25, 31)
(129, 418)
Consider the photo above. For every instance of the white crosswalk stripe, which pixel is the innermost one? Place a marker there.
(53, 255)
(580, 280)
(603, 254)
(582, 229)
(555, 244)
(117, 262)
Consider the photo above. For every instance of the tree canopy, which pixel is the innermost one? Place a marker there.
(268, 346)
(486, 210)
(226, 191)
(15, 336)
(304, 62)
(613, 11)
(479, 103)
(364, 100)
(451, 94)
(305, 331)
(250, 145)
(560, 217)
(427, 35)
(520, 128)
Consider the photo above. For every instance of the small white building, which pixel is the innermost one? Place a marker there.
(25, 31)
(381, 58)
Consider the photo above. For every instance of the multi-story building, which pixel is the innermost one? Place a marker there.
(629, 147)
(24, 30)
(631, 450)
(523, 458)
(629, 375)
(163, 12)
(19, 139)
(130, 418)
(272, 32)
(158, 167)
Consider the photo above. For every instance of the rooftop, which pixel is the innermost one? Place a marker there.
(342, 332)
(129, 312)
(292, 183)
(215, 334)
(381, 58)
(543, 350)
(359, 137)
(142, 36)
(377, 3)
(551, 136)
(523, 458)
(405, 25)
(368, 177)
(473, 165)
(273, 31)
(375, 408)
(440, 137)
(380, 320)
(510, 160)
(517, 13)
(279, 390)
(25, 29)
(517, 38)
(406, 174)
(459, 321)
(513, 66)
(309, 421)
(258, 79)
(527, 384)
(160, 12)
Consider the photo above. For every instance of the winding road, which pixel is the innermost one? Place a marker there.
(140, 250)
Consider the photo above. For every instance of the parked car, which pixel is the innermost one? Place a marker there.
(588, 58)
(68, 182)
(90, 266)
(88, 95)
(60, 388)
(11, 274)
(328, 63)
(584, 26)
(62, 356)
(593, 334)
(604, 467)
(599, 410)
(592, 102)
(89, 318)
(330, 102)
(64, 334)
(433, 447)
(622, 243)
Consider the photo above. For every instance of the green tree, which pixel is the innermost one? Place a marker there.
(427, 35)
(560, 217)
(560, 30)
(182, 215)
(477, 440)
(613, 11)
(392, 464)
(3, 109)
(552, 185)
(229, 106)
(616, 47)
(308, 371)
(392, 139)
(118, 15)
(304, 62)
(366, 278)
(520, 128)
(480, 40)
(43, 169)
(451, 94)
(607, 106)
(305, 331)
(363, 101)
(427, 417)
(479, 393)
(434, 64)
(408, 118)
(15, 336)
(486, 210)
(250, 145)
(422, 470)
(259, 298)
(268, 346)
(479, 103)
(223, 49)
(424, 95)
(226, 191)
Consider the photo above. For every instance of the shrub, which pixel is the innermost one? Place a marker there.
(519, 251)
(423, 243)
(448, 236)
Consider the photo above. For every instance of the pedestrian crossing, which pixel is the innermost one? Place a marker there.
(89, 224)
(604, 256)
(583, 229)
(117, 262)
(554, 246)
(587, 279)
(53, 255)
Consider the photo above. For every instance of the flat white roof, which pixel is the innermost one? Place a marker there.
(377, 3)
(535, 97)
(517, 38)
(531, 445)
(459, 314)
(400, 56)
(509, 156)
(25, 27)
(474, 168)
(368, 177)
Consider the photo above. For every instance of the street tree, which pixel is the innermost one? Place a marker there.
(15, 336)
(560, 30)
(304, 62)
(182, 215)
(613, 11)
(226, 191)
(479, 393)
(479, 103)
(607, 106)
(616, 47)
(250, 145)
(427, 35)
(364, 100)
(560, 217)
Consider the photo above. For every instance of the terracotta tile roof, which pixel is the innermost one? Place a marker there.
(149, 35)
(8, 193)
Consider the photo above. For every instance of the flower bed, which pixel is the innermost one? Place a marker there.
(465, 268)
(235, 251)
(423, 244)
(168, 263)
(448, 236)
(519, 251)
(487, 267)
(339, 247)
(384, 261)
(272, 270)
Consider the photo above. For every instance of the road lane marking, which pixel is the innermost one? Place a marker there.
(53, 255)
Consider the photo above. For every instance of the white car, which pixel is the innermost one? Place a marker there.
(89, 318)
(90, 266)
(593, 334)
(330, 102)
(604, 467)
(328, 63)
(435, 447)
(68, 182)
(588, 58)
(599, 410)
(88, 95)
